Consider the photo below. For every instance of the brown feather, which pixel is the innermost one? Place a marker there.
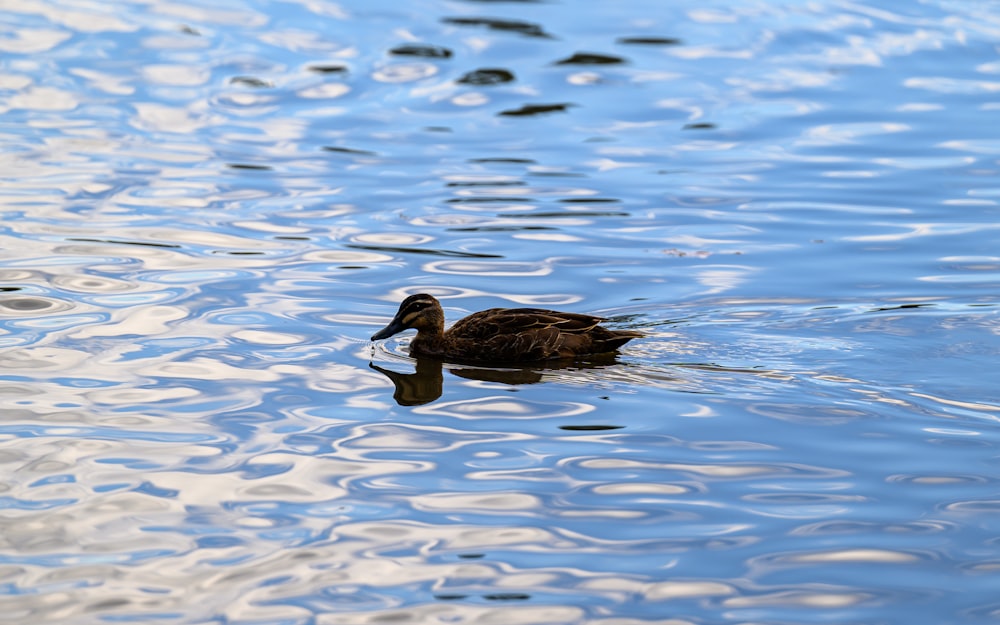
(502, 335)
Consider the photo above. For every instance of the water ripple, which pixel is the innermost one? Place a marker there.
(207, 209)
(506, 408)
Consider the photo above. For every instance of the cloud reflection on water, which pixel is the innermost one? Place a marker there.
(206, 209)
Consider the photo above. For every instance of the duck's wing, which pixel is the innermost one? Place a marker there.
(512, 322)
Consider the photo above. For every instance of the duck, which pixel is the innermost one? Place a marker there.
(502, 335)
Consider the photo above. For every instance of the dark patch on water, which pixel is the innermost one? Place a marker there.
(251, 81)
(515, 26)
(487, 76)
(500, 228)
(328, 69)
(515, 161)
(900, 307)
(591, 58)
(558, 174)
(536, 109)
(490, 183)
(341, 150)
(422, 50)
(489, 200)
(559, 215)
(249, 167)
(650, 41)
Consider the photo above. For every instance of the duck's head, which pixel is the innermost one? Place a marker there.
(420, 312)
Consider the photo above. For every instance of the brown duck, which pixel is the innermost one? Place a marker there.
(502, 335)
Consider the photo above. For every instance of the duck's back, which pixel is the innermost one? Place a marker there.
(508, 321)
(530, 334)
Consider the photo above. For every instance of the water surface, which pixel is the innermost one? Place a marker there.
(206, 210)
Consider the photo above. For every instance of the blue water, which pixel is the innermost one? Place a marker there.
(207, 209)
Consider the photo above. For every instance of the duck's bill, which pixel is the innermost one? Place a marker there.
(394, 327)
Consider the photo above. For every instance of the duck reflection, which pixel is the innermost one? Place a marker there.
(426, 383)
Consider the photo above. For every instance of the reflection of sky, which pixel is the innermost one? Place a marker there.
(206, 210)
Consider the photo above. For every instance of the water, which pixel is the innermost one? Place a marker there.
(207, 209)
